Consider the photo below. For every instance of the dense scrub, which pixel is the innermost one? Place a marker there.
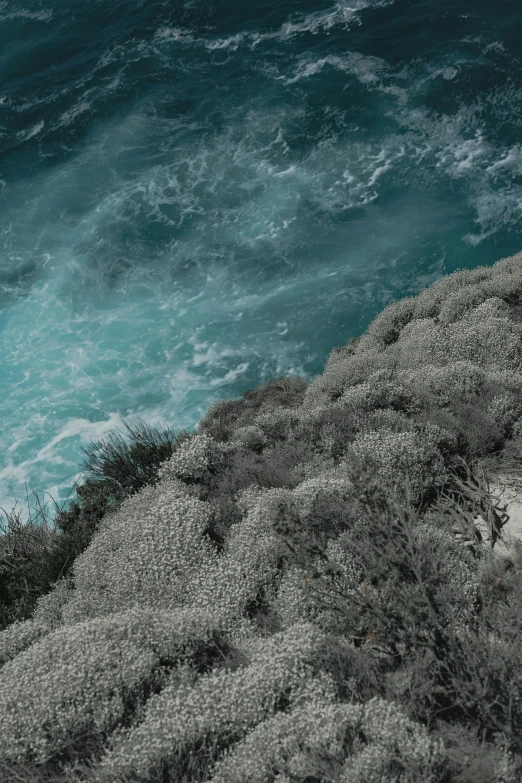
(281, 596)
(35, 556)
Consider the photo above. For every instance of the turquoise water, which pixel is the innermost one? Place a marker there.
(196, 197)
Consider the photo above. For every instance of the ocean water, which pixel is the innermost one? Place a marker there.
(197, 197)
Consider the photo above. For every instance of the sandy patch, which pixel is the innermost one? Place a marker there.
(510, 496)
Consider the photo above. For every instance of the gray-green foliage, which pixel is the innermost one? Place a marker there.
(77, 678)
(34, 556)
(354, 742)
(286, 601)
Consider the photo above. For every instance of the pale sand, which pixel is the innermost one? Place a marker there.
(510, 495)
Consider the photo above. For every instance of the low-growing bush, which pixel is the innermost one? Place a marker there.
(364, 630)
(35, 556)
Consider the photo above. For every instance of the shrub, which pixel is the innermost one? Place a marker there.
(428, 303)
(387, 326)
(131, 468)
(36, 557)
(317, 737)
(82, 680)
(419, 603)
(326, 530)
(226, 416)
(149, 553)
(220, 704)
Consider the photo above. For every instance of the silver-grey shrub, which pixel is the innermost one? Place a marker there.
(355, 743)
(127, 625)
(76, 678)
(47, 616)
(222, 702)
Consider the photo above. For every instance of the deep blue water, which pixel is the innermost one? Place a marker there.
(196, 197)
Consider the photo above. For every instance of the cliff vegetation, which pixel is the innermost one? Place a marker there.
(296, 591)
